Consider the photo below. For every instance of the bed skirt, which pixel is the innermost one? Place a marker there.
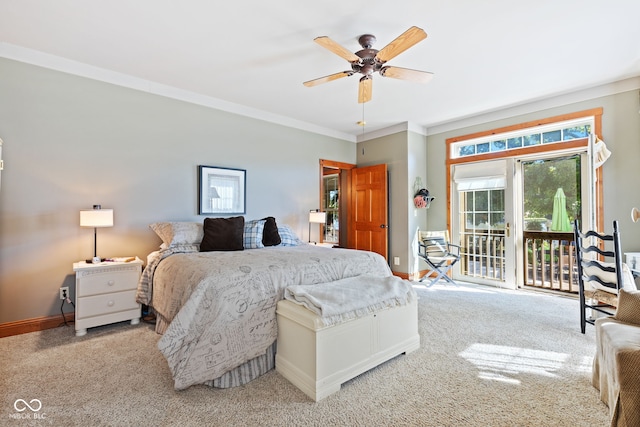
(248, 371)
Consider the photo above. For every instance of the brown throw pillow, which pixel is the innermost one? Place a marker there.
(223, 234)
(270, 235)
(628, 310)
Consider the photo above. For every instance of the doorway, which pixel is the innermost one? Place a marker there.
(553, 190)
(356, 202)
(514, 219)
(519, 169)
(484, 203)
(334, 196)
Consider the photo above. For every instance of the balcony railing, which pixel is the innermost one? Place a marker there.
(482, 254)
(549, 260)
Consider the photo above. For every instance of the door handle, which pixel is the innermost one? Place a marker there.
(384, 226)
(508, 230)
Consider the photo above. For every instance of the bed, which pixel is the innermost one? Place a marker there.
(216, 308)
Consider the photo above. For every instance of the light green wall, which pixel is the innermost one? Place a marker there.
(416, 218)
(71, 142)
(404, 153)
(621, 173)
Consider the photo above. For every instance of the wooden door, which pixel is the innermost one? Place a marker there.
(368, 209)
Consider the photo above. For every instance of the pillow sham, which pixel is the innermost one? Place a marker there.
(288, 236)
(628, 282)
(628, 310)
(223, 234)
(252, 235)
(178, 233)
(270, 235)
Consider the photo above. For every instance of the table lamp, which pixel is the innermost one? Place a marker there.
(316, 217)
(96, 217)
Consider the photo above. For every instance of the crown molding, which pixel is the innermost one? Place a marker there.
(585, 94)
(57, 63)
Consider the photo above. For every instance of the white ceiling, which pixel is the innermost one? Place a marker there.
(252, 56)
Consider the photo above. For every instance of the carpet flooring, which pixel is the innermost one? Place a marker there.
(488, 357)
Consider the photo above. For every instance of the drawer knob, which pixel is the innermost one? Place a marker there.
(111, 303)
(110, 282)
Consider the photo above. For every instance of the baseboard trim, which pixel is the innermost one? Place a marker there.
(415, 276)
(33, 325)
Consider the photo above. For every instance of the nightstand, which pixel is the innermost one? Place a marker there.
(106, 293)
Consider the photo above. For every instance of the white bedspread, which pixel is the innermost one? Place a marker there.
(352, 297)
(221, 305)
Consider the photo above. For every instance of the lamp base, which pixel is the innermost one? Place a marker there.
(94, 260)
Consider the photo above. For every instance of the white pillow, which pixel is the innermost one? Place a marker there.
(178, 233)
(628, 283)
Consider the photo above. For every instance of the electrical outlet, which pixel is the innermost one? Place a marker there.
(396, 260)
(64, 292)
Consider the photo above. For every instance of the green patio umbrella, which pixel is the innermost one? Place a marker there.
(560, 218)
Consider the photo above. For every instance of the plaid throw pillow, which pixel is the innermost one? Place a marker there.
(252, 236)
(288, 237)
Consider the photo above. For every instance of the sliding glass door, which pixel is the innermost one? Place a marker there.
(552, 199)
(513, 220)
(514, 193)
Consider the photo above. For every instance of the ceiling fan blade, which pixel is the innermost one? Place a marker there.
(406, 74)
(364, 89)
(403, 42)
(328, 78)
(334, 47)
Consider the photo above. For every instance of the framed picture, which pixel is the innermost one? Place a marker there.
(221, 191)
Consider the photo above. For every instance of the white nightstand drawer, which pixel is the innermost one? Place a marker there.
(110, 281)
(106, 293)
(108, 303)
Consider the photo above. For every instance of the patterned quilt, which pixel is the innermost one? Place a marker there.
(220, 306)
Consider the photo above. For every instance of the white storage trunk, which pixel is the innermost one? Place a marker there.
(318, 359)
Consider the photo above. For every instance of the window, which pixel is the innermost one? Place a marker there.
(548, 134)
(482, 233)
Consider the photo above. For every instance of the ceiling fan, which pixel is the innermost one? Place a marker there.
(368, 61)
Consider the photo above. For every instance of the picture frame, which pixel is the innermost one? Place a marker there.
(221, 191)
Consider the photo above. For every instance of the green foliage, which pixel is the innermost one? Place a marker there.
(542, 178)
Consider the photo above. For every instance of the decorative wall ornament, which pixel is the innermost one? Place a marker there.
(421, 196)
(422, 199)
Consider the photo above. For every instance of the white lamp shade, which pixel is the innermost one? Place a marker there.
(317, 217)
(96, 218)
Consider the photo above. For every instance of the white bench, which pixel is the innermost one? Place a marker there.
(318, 359)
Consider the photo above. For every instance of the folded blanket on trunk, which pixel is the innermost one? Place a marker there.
(350, 298)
